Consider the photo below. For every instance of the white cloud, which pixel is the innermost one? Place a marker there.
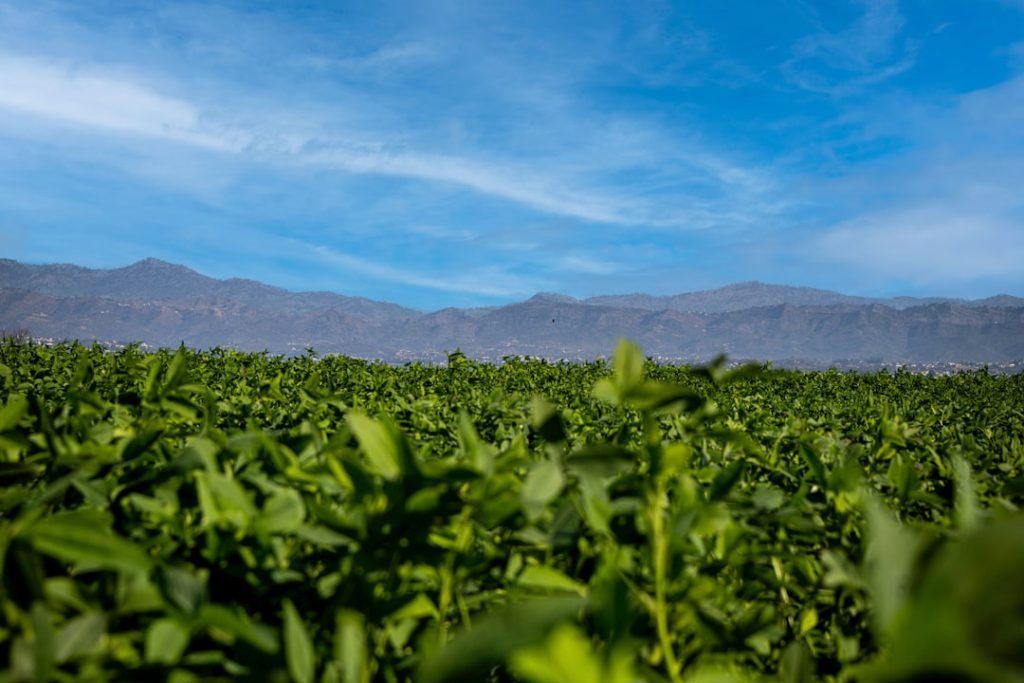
(93, 99)
(585, 264)
(574, 167)
(88, 98)
(928, 245)
(530, 189)
(490, 281)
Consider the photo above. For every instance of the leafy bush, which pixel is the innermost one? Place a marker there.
(226, 516)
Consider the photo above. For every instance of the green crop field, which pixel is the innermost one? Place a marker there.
(226, 516)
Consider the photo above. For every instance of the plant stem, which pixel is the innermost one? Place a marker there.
(659, 543)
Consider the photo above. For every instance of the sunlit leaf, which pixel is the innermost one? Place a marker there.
(350, 647)
(549, 578)
(298, 646)
(166, 640)
(542, 485)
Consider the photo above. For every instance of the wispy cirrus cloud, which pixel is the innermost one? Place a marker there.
(588, 264)
(866, 52)
(88, 98)
(490, 281)
(99, 98)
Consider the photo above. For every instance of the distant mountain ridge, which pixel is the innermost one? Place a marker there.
(162, 281)
(744, 295)
(165, 304)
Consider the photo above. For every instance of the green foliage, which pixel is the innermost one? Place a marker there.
(225, 516)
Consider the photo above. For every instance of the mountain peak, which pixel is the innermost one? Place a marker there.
(551, 298)
(747, 284)
(155, 263)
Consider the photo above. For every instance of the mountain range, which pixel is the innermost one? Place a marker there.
(164, 304)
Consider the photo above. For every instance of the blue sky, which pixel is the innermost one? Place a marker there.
(471, 153)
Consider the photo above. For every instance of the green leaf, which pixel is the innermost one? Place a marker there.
(808, 620)
(139, 444)
(44, 651)
(839, 571)
(543, 484)
(237, 625)
(177, 370)
(716, 674)
(182, 588)
(813, 460)
(80, 636)
(166, 640)
(479, 454)
(892, 550)
(966, 620)
(136, 593)
(547, 421)
(652, 396)
(224, 500)
(15, 409)
(726, 480)
(426, 499)
(471, 654)
(601, 460)
(597, 509)
(550, 579)
(151, 387)
(84, 537)
(605, 390)
(380, 443)
(966, 508)
(322, 535)
(420, 607)
(797, 665)
(298, 646)
(22, 570)
(63, 591)
(350, 647)
(627, 367)
(567, 656)
(767, 498)
(284, 512)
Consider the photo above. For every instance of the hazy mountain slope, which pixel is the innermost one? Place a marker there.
(935, 332)
(746, 295)
(162, 281)
(164, 305)
(199, 324)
